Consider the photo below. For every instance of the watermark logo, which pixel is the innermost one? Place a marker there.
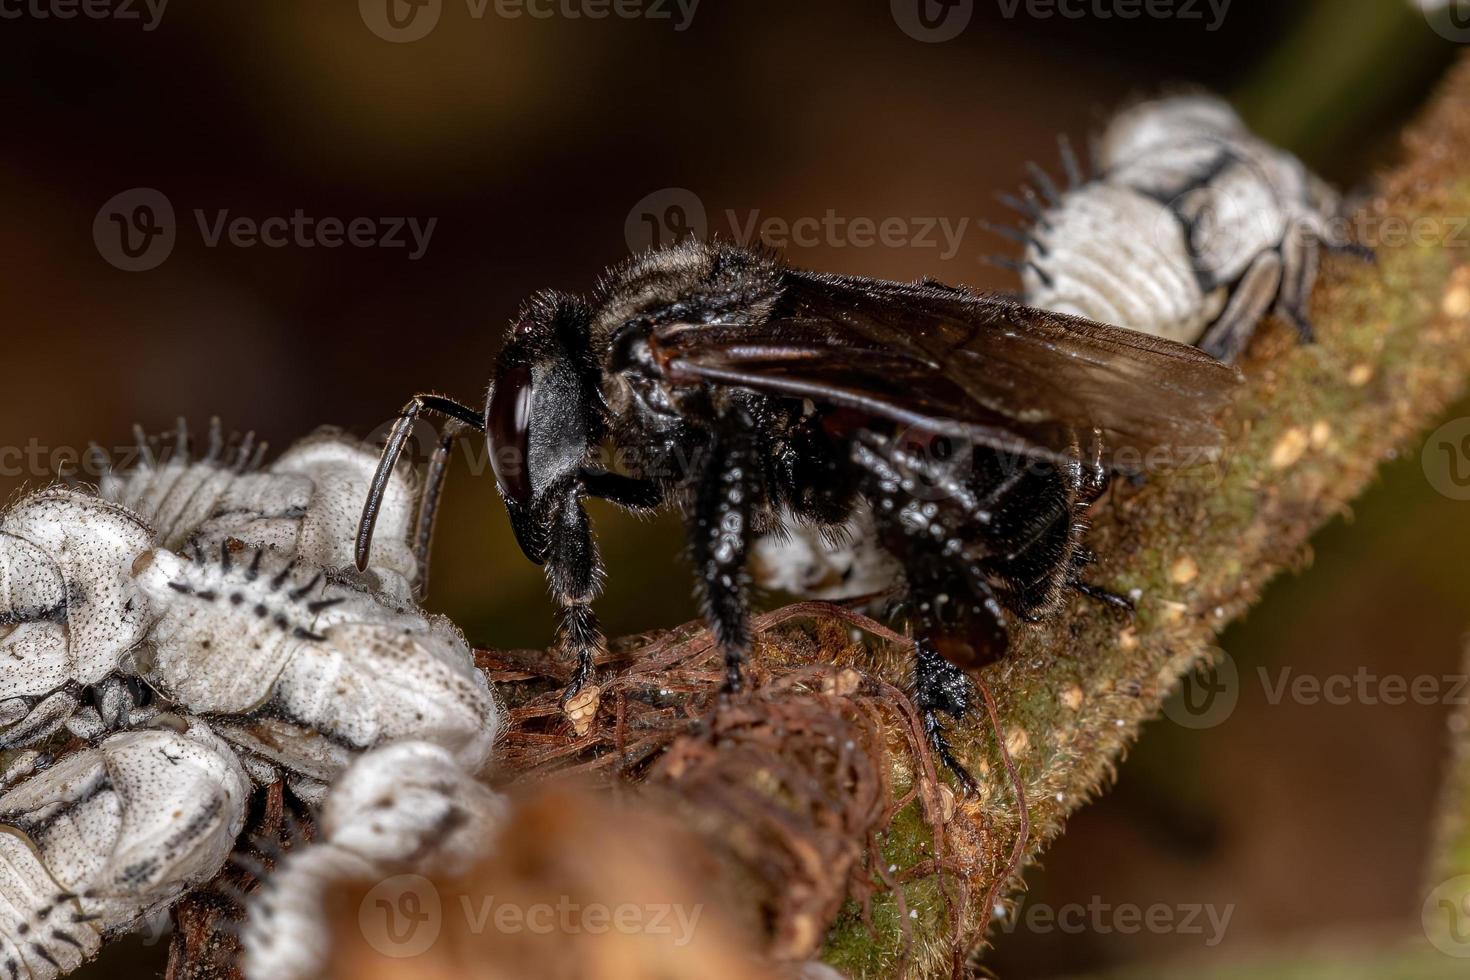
(400, 21)
(1450, 19)
(1446, 459)
(1203, 919)
(148, 12)
(1209, 12)
(135, 231)
(932, 21)
(666, 217)
(1206, 697)
(672, 214)
(404, 915)
(1446, 917)
(1363, 687)
(401, 916)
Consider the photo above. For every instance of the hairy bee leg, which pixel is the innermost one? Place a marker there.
(428, 515)
(579, 633)
(940, 686)
(574, 568)
(574, 572)
(950, 607)
(627, 492)
(719, 533)
(393, 449)
(1252, 300)
(1091, 478)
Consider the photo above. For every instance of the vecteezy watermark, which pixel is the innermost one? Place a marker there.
(1209, 697)
(1210, 12)
(673, 214)
(932, 21)
(1445, 916)
(401, 21)
(1449, 18)
(404, 915)
(1202, 919)
(1206, 697)
(1446, 459)
(136, 230)
(1363, 686)
(146, 12)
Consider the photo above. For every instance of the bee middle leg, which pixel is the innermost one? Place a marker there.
(719, 534)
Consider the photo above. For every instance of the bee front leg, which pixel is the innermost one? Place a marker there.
(719, 540)
(574, 572)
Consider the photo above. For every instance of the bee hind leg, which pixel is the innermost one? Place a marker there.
(941, 687)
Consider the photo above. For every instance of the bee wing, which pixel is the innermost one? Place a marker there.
(956, 363)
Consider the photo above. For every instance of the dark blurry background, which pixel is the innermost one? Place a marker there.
(542, 149)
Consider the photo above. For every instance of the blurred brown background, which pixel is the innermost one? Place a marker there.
(534, 144)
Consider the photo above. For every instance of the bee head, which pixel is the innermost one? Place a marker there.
(544, 413)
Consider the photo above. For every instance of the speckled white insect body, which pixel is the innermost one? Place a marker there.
(70, 611)
(69, 608)
(303, 671)
(407, 807)
(306, 503)
(108, 835)
(1194, 228)
(210, 614)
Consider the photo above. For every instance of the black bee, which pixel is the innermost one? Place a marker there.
(976, 430)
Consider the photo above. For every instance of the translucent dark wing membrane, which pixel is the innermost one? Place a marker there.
(960, 364)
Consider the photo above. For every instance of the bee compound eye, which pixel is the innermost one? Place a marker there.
(508, 426)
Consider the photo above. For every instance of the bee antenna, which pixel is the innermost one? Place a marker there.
(1047, 185)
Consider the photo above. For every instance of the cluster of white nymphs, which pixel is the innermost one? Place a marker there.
(200, 624)
(409, 807)
(108, 835)
(1193, 229)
